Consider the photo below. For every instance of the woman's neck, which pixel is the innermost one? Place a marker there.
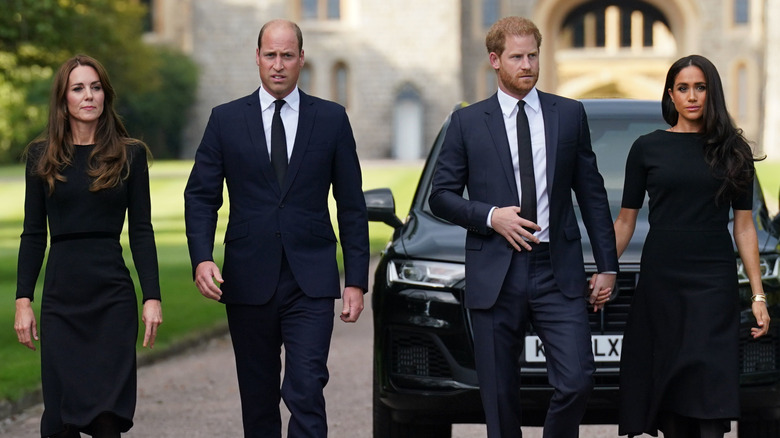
(83, 133)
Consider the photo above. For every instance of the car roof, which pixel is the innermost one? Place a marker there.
(622, 108)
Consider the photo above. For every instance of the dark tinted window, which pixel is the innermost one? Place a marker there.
(612, 139)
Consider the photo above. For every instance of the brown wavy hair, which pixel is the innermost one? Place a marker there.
(108, 162)
(726, 150)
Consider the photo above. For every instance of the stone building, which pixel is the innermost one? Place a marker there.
(400, 66)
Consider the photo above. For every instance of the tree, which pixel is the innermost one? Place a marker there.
(36, 36)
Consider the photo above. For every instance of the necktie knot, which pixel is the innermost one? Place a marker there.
(279, 104)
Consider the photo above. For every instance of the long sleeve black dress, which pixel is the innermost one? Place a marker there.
(89, 311)
(680, 350)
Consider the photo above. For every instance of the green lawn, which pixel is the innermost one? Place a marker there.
(186, 314)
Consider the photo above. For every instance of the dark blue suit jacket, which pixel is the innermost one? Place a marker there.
(266, 220)
(475, 155)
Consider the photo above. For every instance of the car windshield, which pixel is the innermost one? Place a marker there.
(612, 135)
(612, 139)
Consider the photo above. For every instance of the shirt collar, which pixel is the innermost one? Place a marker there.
(509, 104)
(293, 99)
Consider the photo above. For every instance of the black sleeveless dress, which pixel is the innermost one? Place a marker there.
(680, 350)
(89, 310)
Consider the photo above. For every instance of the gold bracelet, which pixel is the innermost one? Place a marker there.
(758, 297)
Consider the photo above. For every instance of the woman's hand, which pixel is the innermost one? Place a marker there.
(762, 318)
(152, 318)
(24, 323)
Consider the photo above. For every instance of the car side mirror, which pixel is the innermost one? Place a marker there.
(381, 207)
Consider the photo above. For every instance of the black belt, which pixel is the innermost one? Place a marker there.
(85, 235)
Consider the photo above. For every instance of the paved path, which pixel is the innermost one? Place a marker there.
(195, 394)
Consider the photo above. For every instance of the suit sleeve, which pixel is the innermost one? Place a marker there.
(351, 208)
(203, 195)
(32, 247)
(449, 181)
(592, 198)
(139, 224)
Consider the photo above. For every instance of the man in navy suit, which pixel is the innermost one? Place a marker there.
(280, 151)
(519, 155)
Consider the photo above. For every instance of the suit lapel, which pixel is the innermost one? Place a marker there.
(494, 119)
(308, 113)
(551, 122)
(254, 121)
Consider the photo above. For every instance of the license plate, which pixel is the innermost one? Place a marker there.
(606, 348)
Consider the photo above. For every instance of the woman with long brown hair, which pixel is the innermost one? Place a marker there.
(83, 175)
(679, 364)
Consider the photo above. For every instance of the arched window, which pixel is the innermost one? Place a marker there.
(340, 84)
(612, 24)
(305, 80)
(408, 123)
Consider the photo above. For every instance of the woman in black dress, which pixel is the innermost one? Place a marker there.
(679, 367)
(83, 175)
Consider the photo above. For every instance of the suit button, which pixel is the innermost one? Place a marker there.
(278, 234)
(281, 205)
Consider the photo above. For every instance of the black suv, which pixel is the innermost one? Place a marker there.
(424, 375)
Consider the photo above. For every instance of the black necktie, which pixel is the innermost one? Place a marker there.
(278, 144)
(526, 167)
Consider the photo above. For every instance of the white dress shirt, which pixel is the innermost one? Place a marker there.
(289, 112)
(533, 109)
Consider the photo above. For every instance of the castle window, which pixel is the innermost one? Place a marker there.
(305, 79)
(741, 11)
(491, 12)
(340, 83)
(321, 9)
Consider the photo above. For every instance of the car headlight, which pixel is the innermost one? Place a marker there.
(425, 273)
(769, 266)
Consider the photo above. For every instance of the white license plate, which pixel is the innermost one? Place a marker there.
(606, 348)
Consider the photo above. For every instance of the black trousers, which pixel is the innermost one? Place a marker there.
(530, 293)
(303, 325)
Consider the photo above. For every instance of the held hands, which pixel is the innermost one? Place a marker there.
(24, 323)
(507, 222)
(152, 318)
(353, 304)
(206, 273)
(762, 318)
(601, 286)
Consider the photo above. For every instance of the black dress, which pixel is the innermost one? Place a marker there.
(89, 311)
(680, 350)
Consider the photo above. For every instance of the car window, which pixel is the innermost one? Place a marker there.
(611, 140)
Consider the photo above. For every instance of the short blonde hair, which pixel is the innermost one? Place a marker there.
(520, 26)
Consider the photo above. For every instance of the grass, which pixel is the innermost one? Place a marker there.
(186, 313)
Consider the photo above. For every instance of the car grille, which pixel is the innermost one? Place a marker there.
(758, 356)
(417, 355)
(614, 317)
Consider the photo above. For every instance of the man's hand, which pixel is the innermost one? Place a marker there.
(205, 276)
(507, 222)
(24, 323)
(152, 318)
(353, 304)
(601, 286)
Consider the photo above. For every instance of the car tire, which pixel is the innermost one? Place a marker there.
(386, 427)
(759, 429)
